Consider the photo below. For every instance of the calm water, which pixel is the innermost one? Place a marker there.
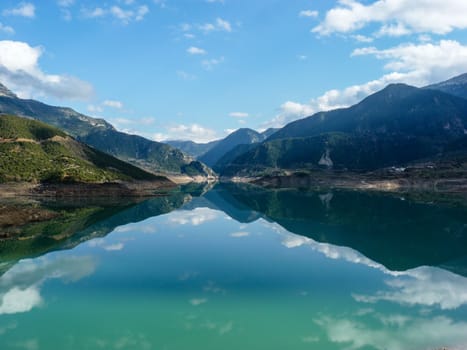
(235, 268)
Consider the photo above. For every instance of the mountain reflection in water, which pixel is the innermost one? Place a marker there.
(239, 267)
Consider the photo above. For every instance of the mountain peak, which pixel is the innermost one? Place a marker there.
(5, 92)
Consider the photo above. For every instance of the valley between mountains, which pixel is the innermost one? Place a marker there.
(400, 138)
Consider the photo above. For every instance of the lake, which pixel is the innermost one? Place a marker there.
(236, 267)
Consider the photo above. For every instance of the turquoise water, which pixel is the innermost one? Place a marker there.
(240, 269)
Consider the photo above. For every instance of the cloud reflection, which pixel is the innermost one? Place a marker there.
(20, 286)
(427, 286)
(412, 333)
(195, 217)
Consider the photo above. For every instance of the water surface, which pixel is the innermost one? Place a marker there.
(241, 268)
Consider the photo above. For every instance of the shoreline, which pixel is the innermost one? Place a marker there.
(12, 190)
(362, 182)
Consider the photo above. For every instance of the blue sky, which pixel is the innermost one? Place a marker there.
(198, 69)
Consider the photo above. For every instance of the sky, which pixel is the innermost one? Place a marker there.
(199, 69)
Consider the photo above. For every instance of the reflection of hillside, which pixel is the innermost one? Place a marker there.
(398, 233)
(79, 222)
(222, 198)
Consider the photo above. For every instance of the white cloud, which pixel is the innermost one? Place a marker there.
(24, 9)
(414, 64)
(6, 29)
(211, 63)
(193, 50)
(113, 104)
(302, 57)
(396, 16)
(308, 13)
(238, 114)
(94, 13)
(218, 25)
(224, 25)
(362, 38)
(193, 132)
(20, 71)
(124, 15)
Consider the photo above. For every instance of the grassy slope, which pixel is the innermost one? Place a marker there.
(33, 151)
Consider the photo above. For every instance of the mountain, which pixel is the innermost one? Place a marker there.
(192, 148)
(33, 151)
(456, 86)
(394, 126)
(239, 137)
(144, 153)
(154, 156)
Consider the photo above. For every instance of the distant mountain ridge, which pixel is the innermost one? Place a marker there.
(396, 125)
(242, 136)
(153, 156)
(217, 153)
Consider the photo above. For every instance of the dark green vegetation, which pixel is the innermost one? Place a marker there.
(144, 153)
(154, 156)
(36, 152)
(396, 126)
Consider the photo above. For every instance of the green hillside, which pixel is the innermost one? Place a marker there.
(152, 155)
(36, 152)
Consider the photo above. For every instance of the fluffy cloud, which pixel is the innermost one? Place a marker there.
(193, 132)
(24, 9)
(397, 17)
(196, 51)
(20, 71)
(414, 64)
